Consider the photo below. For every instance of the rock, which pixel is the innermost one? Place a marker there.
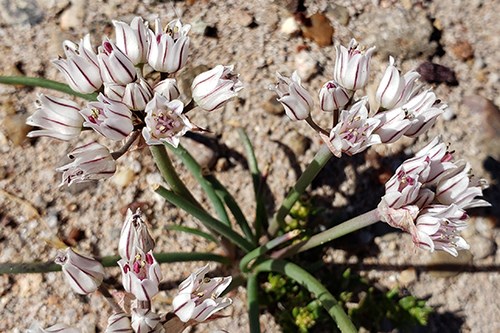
(405, 35)
(305, 65)
(340, 13)
(15, 128)
(297, 142)
(481, 247)
(319, 29)
(440, 259)
(290, 26)
(407, 277)
(244, 18)
(123, 177)
(482, 106)
(20, 12)
(72, 18)
(272, 106)
(435, 73)
(29, 284)
(463, 50)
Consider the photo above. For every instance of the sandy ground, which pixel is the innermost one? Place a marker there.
(462, 35)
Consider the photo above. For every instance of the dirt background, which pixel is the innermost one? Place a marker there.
(461, 35)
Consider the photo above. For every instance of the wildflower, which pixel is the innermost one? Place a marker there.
(422, 112)
(145, 320)
(132, 39)
(141, 275)
(80, 68)
(90, 162)
(168, 51)
(165, 121)
(84, 274)
(137, 95)
(213, 88)
(198, 296)
(333, 97)
(110, 118)
(295, 99)
(119, 323)
(134, 235)
(59, 118)
(354, 132)
(168, 89)
(393, 125)
(352, 66)
(115, 66)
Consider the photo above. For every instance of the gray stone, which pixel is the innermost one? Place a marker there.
(20, 12)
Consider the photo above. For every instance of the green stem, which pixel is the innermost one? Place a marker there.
(44, 83)
(206, 219)
(312, 170)
(169, 173)
(253, 303)
(326, 236)
(162, 257)
(197, 173)
(314, 286)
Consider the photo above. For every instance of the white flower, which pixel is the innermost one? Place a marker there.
(333, 97)
(169, 50)
(59, 118)
(213, 88)
(134, 235)
(115, 66)
(137, 95)
(119, 323)
(393, 125)
(165, 121)
(354, 132)
(145, 320)
(168, 89)
(198, 296)
(83, 274)
(295, 99)
(90, 162)
(133, 39)
(141, 275)
(110, 118)
(352, 66)
(80, 68)
(422, 112)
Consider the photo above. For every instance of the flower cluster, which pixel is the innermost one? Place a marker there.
(198, 297)
(402, 107)
(135, 93)
(427, 197)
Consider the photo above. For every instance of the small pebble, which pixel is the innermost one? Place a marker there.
(306, 65)
(481, 247)
(244, 18)
(290, 26)
(272, 106)
(435, 73)
(15, 128)
(407, 277)
(123, 177)
(463, 50)
(72, 18)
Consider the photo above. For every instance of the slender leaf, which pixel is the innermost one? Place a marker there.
(253, 303)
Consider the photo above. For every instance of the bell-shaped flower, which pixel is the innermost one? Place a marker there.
(295, 99)
(394, 89)
(145, 320)
(80, 68)
(333, 97)
(133, 39)
(115, 66)
(393, 125)
(422, 112)
(134, 235)
(137, 95)
(460, 188)
(169, 50)
(83, 274)
(354, 132)
(89, 162)
(198, 296)
(168, 89)
(59, 118)
(57, 328)
(165, 121)
(441, 160)
(352, 66)
(119, 323)
(213, 88)
(141, 275)
(110, 118)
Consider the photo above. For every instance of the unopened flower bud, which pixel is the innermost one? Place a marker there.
(84, 274)
(144, 320)
(333, 97)
(134, 235)
(352, 66)
(295, 99)
(137, 95)
(115, 66)
(168, 89)
(119, 323)
(133, 39)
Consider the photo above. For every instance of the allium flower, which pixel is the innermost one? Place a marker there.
(295, 99)
(119, 323)
(169, 50)
(80, 67)
(134, 235)
(90, 162)
(133, 39)
(198, 296)
(393, 125)
(354, 132)
(165, 121)
(137, 95)
(168, 89)
(141, 275)
(352, 66)
(59, 118)
(213, 88)
(110, 118)
(115, 66)
(84, 274)
(422, 112)
(145, 320)
(57, 328)
(333, 97)
(395, 89)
